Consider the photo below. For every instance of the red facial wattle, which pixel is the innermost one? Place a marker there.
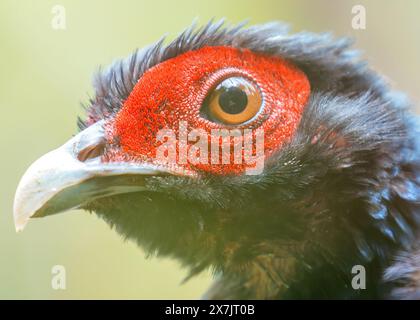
(175, 90)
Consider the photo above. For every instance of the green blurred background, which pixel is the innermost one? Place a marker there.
(45, 73)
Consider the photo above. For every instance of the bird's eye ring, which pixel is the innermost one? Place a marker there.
(234, 100)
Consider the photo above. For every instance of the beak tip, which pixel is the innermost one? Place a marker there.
(20, 224)
(19, 229)
(22, 207)
(32, 191)
(19, 220)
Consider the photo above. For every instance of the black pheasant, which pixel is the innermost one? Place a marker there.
(278, 160)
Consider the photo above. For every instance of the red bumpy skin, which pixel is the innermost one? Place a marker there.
(174, 91)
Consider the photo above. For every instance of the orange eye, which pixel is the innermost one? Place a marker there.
(235, 100)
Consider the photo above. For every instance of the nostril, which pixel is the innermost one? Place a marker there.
(91, 152)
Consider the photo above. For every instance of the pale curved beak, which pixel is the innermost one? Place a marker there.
(74, 174)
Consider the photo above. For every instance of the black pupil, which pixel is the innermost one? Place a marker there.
(233, 100)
